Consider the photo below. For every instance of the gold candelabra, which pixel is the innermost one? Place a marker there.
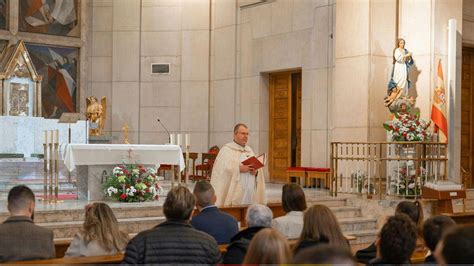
(51, 166)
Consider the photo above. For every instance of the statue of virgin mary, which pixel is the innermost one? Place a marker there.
(399, 82)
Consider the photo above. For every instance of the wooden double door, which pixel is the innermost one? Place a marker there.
(285, 123)
(467, 115)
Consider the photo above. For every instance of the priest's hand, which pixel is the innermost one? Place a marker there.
(246, 168)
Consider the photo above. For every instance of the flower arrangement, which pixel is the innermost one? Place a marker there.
(360, 181)
(407, 127)
(408, 183)
(132, 183)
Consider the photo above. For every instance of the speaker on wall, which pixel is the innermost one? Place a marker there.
(160, 68)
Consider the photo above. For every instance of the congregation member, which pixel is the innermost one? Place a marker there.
(20, 238)
(433, 230)
(396, 241)
(258, 217)
(294, 204)
(320, 227)
(210, 219)
(414, 211)
(100, 234)
(325, 254)
(174, 241)
(457, 247)
(268, 246)
(235, 183)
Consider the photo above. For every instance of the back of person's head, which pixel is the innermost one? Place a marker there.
(414, 210)
(325, 254)
(397, 239)
(319, 222)
(293, 198)
(100, 224)
(268, 246)
(204, 193)
(259, 215)
(458, 246)
(434, 229)
(179, 204)
(20, 199)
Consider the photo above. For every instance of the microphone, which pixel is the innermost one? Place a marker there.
(169, 135)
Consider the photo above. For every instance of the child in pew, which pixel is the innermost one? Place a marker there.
(100, 234)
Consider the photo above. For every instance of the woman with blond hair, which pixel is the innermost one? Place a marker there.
(320, 226)
(268, 246)
(100, 234)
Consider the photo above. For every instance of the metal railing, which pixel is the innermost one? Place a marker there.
(386, 168)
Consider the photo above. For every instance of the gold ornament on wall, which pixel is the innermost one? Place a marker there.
(96, 114)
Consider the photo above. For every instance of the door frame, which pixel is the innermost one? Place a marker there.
(271, 94)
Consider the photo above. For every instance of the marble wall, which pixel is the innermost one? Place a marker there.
(127, 37)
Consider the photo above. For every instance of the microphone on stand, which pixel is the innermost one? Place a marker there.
(169, 135)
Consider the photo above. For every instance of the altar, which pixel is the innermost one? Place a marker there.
(25, 135)
(95, 161)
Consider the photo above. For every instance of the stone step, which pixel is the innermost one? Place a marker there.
(328, 201)
(346, 212)
(357, 224)
(363, 236)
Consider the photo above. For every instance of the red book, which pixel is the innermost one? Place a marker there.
(257, 162)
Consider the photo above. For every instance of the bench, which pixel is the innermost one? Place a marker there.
(108, 259)
(463, 218)
(308, 174)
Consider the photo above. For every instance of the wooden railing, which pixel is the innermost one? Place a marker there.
(392, 168)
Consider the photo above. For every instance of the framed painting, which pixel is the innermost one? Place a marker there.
(59, 68)
(55, 17)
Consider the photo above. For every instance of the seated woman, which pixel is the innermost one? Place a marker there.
(100, 234)
(268, 247)
(294, 204)
(320, 226)
(414, 210)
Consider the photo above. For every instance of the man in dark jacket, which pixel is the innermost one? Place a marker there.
(210, 219)
(257, 217)
(20, 238)
(174, 241)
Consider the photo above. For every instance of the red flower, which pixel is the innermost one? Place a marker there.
(147, 190)
(123, 196)
(142, 170)
(125, 171)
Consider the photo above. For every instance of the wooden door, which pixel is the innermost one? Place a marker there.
(467, 114)
(285, 124)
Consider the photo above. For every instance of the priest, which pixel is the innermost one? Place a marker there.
(233, 182)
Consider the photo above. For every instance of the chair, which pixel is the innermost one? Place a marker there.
(205, 167)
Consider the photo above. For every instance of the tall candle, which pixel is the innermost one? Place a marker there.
(57, 136)
(46, 137)
(172, 139)
(52, 135)
(179, 139)
(187, 140)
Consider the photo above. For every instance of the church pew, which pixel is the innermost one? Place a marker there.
(239, 211)
(461, 218)
(108, 259)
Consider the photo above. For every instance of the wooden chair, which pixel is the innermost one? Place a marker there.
(205, 168)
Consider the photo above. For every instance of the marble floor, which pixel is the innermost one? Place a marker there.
(273, 193)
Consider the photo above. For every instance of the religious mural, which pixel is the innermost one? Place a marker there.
(55, 17)
(59, 67)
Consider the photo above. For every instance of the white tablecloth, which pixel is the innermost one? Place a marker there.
(106, 154)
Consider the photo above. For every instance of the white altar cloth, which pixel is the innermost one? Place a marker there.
(107, 154)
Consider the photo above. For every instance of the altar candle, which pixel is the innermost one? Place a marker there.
(46, 137)
(172, 139)
(57, 136)
(52, 135)
(178, 136)
(187, 140)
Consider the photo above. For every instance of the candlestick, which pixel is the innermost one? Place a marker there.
(178, 139)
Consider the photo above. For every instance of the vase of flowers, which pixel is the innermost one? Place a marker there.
(132, 183)
(408, 127)
(407, 183)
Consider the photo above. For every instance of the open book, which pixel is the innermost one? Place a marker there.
(257, 162)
